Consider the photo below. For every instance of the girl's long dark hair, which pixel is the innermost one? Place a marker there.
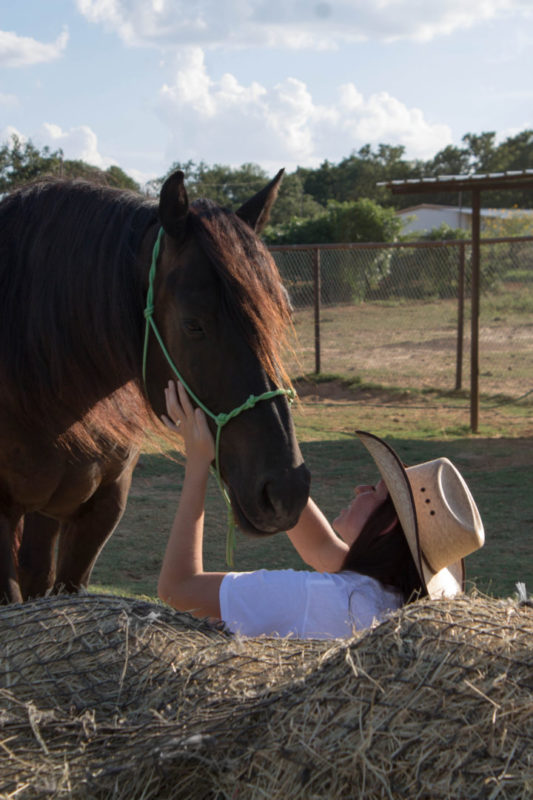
(385, 556)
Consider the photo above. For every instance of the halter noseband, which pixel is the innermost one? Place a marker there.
(219, 419)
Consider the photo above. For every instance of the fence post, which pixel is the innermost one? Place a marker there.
(474, 345)
(317, 293)
(460, 318)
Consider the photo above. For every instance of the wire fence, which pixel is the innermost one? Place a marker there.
(399, 314)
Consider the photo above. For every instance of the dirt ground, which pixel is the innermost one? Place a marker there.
(416, 346)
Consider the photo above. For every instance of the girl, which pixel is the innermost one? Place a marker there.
(403, 538)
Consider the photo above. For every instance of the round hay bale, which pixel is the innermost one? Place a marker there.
(437, 702)
(99, 652)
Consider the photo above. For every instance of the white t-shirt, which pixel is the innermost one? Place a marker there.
(305, 605)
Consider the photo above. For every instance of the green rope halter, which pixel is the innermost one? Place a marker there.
(219, 419)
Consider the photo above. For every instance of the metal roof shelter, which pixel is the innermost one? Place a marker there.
(515, 179)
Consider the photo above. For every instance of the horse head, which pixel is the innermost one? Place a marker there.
(222, 311)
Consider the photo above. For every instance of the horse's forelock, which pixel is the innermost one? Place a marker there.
(252, 290)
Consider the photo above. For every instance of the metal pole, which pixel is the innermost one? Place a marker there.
(317, 291)
(460, 318)
(474, 345)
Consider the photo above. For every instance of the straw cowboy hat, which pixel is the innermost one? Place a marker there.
(438, 515)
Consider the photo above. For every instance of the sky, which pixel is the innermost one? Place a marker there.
(144, 84)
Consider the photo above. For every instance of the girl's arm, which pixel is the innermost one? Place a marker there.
(183, 584)
(316, 541)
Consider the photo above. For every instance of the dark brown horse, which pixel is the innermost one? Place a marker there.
(74, 265)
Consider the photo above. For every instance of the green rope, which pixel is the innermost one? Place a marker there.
(220, 420)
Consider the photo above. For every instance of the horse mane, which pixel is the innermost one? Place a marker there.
(69, 368)
(252, 291)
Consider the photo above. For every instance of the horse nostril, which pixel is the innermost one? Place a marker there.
(268, 497)
(284, 493)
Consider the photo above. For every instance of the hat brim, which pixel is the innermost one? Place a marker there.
(448, 581)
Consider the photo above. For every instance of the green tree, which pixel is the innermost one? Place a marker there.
(346, 276)
(451, 160)
(482, 151)
(229, 187)
(426, 273)
(112, 176)
(360, 174)
(360, 220)
(21, 162)
(115, 176)
(294, 201)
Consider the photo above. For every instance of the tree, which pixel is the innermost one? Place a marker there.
(427, 273)
(482, 151)
(21, 162)
(345, 278)
(231, 187)
(117, 177)
(360, 174)
(451, 160)
(360, 220)
(227, 186)
(112, 176)
(294, 201)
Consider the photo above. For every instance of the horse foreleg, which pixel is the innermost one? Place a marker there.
(36, 563)
(83, 538)
(9, 587)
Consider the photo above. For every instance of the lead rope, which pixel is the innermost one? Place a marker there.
(219, 419)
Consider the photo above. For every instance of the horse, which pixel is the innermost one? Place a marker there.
(75, 260)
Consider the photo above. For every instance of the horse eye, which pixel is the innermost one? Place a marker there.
(193, 327)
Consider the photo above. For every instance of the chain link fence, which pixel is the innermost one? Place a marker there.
(399, 314)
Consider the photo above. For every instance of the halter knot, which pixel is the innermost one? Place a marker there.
(148, 311)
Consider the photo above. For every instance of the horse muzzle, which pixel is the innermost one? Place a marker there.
(274, 504)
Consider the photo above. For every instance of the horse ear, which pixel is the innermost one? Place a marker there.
(256, 211)
(174, 205)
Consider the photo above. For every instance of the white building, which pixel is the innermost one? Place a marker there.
(426, 216)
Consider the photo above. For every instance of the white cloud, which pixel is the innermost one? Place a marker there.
(292, 24)
(7, 133)
(384, 119)
(226, 122)
(22, 51)
(77, 143)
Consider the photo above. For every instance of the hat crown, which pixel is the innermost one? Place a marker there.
(438, 515)
(449, 524)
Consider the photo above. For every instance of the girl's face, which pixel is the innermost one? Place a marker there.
(351, 520)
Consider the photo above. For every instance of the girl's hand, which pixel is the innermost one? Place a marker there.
(188, 422)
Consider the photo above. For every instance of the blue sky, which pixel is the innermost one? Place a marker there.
(146, 83)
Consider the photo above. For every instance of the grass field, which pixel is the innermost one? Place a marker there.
(414, 343)
(497, 463)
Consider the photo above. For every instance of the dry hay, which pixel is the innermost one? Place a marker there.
(104, 697)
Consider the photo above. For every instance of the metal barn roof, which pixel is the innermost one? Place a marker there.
(490, 180)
